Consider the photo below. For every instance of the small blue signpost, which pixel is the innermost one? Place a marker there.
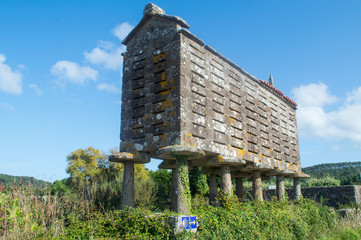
(189, 222)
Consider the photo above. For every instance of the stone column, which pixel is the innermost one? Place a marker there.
(297, 188)
(128, 185)
(181, 201)
(257, 185)
(226, 181)
(280, 187)
(239, 188)
(213, 189)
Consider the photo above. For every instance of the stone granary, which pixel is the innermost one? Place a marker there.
(188, 105)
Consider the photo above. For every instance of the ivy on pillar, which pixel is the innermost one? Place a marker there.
(181, 195)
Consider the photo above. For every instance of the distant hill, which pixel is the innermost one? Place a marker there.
(9, 180)
(349, 173)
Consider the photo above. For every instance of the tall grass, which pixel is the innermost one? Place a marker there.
(28, 213)
(25, 214)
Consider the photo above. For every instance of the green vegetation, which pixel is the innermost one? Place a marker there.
(348, 173)
(86, 206)
(9, 180)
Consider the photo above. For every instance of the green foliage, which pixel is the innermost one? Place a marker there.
(348, 172)
(163, 181)
(197, 181)
(9, 180)
(26, 215)
(23, 215)
(126, 224)
(184, 178)
(269, 220)
(321, 182)
(59, 187)
(92, 174)
(85, 166)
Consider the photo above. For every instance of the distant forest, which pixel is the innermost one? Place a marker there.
(10, 180)
(349, 173)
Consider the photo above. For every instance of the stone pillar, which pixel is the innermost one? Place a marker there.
(226, 181)
(181, 201)
(239, 188)
(280, 187)
(213, 189)
(128, 185)
(257, 185)
(297, 188)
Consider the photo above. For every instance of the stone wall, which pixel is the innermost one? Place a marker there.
(331, 196)
(226, 111)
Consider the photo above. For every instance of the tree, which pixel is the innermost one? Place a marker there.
(197, 181)
(59, 187)
(84, 166)
(163, 181)
(92, 174)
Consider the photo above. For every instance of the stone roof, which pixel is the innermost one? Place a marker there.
(152, 10)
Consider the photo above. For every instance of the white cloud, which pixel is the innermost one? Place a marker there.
(106, 54)
(36, 89)
(341, 123)
(108, 88)
(109, 54)
(313, 95)
(7, 106)
(74, 73)
(122, 30)
(10, 81)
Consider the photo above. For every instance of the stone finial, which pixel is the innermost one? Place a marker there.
(270, 80)
(151, 8)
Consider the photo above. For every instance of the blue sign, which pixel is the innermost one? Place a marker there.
(189, 222)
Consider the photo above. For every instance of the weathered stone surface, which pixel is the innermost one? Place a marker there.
(297, 189)
(183, 98)
(257, 186)
(280, 187)
(127, 199)
(226, 181)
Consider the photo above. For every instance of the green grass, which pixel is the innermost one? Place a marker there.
(24, 214)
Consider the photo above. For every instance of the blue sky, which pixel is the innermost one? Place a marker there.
(60, 72)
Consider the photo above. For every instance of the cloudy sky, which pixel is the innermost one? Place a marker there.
(60, 72)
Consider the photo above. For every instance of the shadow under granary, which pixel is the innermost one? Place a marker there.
(188, 105)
